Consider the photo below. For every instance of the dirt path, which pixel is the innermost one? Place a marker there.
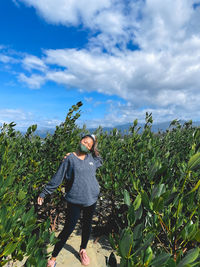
(68, 256)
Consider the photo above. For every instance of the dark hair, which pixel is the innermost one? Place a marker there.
(94, 149)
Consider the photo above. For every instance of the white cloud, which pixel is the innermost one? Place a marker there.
(33, 62)
(68, 12)
(34, 81)
(6, 59)
(163, 23)
(24, 119)
(135, 75)
(156, 80)
(153, 24)
(88, 99)
(9, 114)
(163, 76)
(97, 103)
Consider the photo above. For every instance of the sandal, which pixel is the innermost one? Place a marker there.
(85, 260)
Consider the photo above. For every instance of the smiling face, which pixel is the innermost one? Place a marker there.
(88, 142)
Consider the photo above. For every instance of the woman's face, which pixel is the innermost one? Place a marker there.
(88, 142)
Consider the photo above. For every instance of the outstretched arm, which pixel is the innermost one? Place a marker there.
(54, 182)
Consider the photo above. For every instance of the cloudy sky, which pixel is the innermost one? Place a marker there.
(121, 58)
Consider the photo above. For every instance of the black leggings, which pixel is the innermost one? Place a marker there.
(72, 216)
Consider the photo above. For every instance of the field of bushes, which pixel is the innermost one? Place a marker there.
(149, 204)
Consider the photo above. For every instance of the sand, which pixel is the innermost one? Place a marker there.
(68, 256)
(97, 252)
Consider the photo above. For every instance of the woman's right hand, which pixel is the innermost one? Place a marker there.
(40, 200)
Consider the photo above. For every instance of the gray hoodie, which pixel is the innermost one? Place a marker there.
(82, 186)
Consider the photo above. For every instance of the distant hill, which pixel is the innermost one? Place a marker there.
(43, 132)
(124, 127)
(155, 127)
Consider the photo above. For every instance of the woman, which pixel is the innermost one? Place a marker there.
(79, 170)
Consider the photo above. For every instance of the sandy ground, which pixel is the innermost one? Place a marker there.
(96, 251)
(68, 256)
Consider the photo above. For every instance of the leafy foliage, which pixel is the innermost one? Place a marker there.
(150, 192)
(26, 163)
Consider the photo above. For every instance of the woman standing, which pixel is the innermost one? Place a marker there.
(79, 170)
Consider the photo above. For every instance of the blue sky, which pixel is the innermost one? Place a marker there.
(120, 58)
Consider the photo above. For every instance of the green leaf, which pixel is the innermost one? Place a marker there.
(170, 263)
(191, 256)
(138, 213)
(9, 249)
(41, 262)
(170, 199)
(158, 191)
(148, 255)
(52, 237)
(32, 261)
(27, 216)
(137, 232)
(34, 127)
(147, 243)
(154, 168)
(127, 200)
(28, 132)
(137, 202)
(195, 188)
(145, 199)
(194, 162)
(160, 259)
(135, 122)
(131, 215)
(196, 264)
(125, 243)
(158, 204)
(123, 262)
(192, 231)
(31, 242)
(21, 195)
(111, 241)
(197, 236)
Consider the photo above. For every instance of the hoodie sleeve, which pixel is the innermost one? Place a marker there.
(56, 179)
(98, 161)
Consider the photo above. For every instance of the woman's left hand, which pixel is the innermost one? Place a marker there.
(67, 155)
